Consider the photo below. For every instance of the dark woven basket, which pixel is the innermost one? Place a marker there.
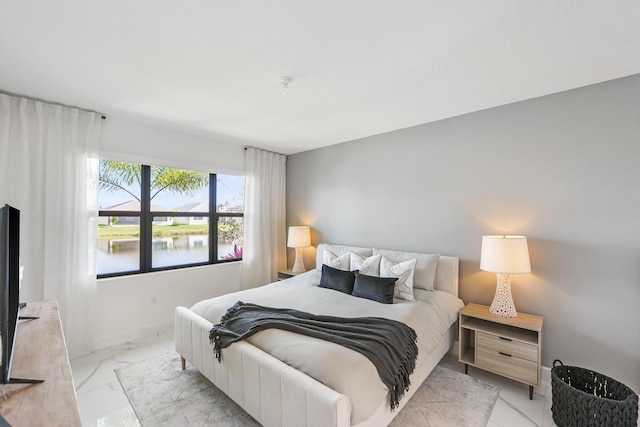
(581, 398)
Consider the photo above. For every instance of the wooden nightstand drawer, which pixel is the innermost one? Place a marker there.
(509, 366)
(509, 346)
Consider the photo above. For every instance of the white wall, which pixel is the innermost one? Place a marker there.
(563, 170)
(146, 143)
(135, 306)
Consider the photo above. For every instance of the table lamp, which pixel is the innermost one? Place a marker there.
(504, 255)
(299, 237)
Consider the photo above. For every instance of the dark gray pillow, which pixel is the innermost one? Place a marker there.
(374, 288)
(339, 280)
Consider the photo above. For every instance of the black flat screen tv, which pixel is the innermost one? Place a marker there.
(10, 290)
(9, 284)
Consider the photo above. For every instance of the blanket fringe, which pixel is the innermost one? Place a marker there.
(231, 311)
(402, 381)
(214, 338)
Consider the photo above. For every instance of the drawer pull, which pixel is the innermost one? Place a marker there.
(506, 339)
(504, 354)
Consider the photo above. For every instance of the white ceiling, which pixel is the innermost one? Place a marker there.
(360, 67)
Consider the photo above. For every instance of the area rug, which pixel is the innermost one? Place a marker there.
(161, 394)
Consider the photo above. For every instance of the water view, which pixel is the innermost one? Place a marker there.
(116, 256)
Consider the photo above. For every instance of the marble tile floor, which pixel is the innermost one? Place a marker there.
(103, 403)
(513, 407)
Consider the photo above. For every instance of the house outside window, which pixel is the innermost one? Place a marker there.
(155, 218)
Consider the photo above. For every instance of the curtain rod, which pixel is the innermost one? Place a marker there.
(102, 115)
(267, 151)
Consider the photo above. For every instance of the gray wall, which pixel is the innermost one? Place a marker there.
(563, 169)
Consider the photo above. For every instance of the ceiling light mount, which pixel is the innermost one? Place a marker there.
(285, 81)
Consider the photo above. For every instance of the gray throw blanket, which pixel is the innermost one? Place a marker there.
(390, 345)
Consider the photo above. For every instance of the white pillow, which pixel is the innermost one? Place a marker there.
(368, 266)
(404, 272)
(342, 262)
(426, 264)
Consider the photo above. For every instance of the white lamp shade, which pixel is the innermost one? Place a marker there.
(505, 254)
(299, 237)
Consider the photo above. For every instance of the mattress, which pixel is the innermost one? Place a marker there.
(344, 370)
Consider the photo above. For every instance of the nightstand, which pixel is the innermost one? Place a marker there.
(507, 346)
(286, 274)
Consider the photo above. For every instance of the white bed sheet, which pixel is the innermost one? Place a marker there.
(340, 368)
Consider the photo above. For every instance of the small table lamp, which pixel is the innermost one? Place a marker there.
(299, 237)
(505, 255)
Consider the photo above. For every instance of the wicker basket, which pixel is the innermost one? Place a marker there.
(581, 398)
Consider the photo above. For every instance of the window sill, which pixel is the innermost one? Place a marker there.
(133, 276)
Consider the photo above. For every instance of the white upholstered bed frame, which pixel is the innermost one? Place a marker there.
(274, 393)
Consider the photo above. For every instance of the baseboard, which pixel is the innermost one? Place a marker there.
(132, 334)
(545, 377)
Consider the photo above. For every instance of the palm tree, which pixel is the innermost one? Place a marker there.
(116, 176)
(121, 176)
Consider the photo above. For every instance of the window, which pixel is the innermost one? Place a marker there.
(155, 218)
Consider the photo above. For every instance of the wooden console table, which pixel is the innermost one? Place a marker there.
(40, 352)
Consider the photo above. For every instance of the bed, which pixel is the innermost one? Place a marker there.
(271, 375)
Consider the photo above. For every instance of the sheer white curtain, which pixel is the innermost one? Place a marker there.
(264, 217)
(48, 170)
